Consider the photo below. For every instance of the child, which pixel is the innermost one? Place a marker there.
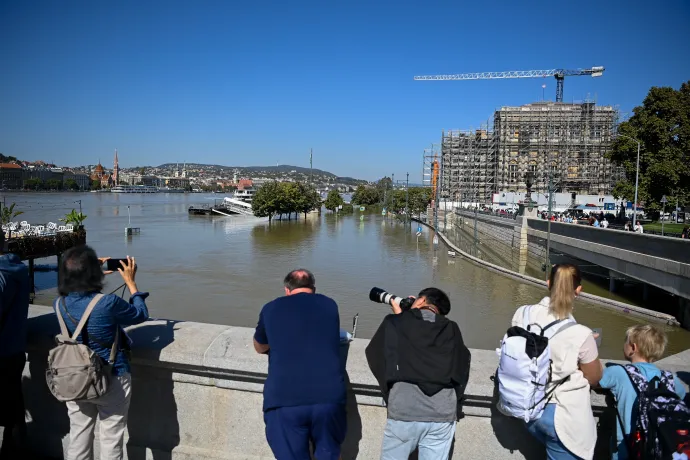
(643, 345)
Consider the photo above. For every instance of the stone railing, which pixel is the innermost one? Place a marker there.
(196, 394)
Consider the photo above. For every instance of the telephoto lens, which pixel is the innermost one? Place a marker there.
(379, 295)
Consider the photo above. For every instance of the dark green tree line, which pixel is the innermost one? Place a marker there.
(662, 125)
(284, 198)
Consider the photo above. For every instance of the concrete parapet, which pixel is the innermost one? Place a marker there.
(197, 395)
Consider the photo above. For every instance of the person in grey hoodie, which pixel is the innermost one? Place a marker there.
(14, 309)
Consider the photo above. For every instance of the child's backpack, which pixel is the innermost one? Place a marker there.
(524, 368)
(661, 429)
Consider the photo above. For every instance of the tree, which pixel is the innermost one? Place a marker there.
(662, 125)
(333, 200)
(95, 184)
(265, 201)
(287, 198)
(54, 184)
(308, 200)
(419, 199)
(71, 184)
(8, 213)
(366, 196)
(34, 183)
(142, 171)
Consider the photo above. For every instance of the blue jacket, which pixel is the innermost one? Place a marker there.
(14, 303)
(110, 314)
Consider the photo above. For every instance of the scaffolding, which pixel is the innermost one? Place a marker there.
(469, 165)
(567, 142)
(431, 177)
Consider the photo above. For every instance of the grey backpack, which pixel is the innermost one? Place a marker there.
(75, 372)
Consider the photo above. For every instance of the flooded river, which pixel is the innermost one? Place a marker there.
(223, 269)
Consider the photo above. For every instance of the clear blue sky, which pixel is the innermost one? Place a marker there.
(257, 83)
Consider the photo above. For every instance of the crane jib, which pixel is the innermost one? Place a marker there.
(559, 74)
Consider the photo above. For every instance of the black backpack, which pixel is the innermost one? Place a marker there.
(661, 429)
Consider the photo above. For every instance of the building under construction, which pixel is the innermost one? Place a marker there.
(562, 142)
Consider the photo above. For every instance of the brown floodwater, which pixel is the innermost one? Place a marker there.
(224, 269)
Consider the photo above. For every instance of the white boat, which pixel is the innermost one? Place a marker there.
(170, 190)
(134, 189)
(236, 206)
(245, 195)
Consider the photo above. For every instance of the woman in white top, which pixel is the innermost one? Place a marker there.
(567, 426)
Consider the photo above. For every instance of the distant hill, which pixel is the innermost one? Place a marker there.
(273, 170)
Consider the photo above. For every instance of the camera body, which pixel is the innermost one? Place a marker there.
(379, 295)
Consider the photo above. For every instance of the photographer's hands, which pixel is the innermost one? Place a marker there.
(128, 273)
(395, 304)
(103, 260)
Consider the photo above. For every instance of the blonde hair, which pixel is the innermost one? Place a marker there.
(563, 282)
(650, 340)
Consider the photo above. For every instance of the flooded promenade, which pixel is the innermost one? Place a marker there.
(223, 269)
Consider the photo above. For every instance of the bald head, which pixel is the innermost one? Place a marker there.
(300, 280)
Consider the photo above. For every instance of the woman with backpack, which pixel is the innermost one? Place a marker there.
(80, 286)
(561, 418)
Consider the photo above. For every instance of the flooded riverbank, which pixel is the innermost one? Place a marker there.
(223, 269)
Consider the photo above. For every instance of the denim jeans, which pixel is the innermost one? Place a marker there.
(400, 439)
(544, 429)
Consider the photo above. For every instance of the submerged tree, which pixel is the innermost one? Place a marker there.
(333, 200)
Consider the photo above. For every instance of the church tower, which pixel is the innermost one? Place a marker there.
(116, 171)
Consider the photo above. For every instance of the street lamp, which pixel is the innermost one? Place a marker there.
(663, 211)
(637, 178)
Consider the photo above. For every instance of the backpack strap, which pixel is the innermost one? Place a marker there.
(85, 316)
(61, 320)
(525, 316)
(631, 371)
(562, 324)
(82, 323)
(668, 381)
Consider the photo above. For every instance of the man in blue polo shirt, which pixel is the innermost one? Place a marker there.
(304, 393)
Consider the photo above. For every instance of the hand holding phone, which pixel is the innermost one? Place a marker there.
(113, 264)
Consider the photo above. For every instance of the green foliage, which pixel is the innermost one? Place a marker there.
(95, 184)
(8, 213)
(54, 184)
(420, 198)
(662, 125)
(279, 198)
(74, 218)
(308, 199)
(7, 159)
(333, 200)
(265, 201)
(33, 184)
(367, 196)
(71, 184)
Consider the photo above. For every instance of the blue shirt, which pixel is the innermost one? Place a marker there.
(616, 379)
(110, 314)
(14, 304)
(304, 366)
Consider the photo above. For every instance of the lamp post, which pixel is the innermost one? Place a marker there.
(637, 178)
(663, 211)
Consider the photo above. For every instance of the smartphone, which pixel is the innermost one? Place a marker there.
(597, 330)
(114, 264)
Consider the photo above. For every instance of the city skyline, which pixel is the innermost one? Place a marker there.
(236, 84)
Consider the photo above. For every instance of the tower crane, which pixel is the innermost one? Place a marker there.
(559, 74)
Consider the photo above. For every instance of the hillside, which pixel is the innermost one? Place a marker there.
(273, 171)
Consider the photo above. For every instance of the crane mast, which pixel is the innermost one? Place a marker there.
(558, 74)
